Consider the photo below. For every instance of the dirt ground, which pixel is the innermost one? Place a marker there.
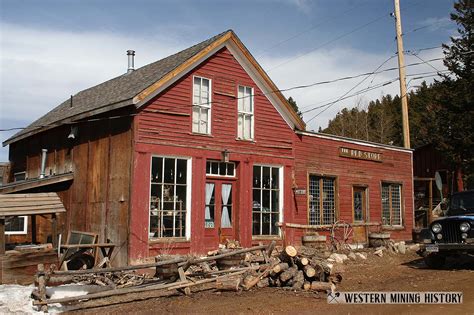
(388, 273)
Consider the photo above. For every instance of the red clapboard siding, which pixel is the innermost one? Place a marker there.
(271, 131)
(321, 156)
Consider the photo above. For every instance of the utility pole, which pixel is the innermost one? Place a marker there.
(401, 72)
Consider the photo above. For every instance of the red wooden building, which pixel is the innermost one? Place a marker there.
(200, 147)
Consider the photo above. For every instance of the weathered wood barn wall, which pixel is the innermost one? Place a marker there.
(97, 199)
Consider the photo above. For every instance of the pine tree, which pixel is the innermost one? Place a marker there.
(454, 134)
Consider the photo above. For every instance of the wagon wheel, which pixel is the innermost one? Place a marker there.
(341, 234)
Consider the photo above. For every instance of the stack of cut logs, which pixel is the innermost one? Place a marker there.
(226, 269)
(296, 271)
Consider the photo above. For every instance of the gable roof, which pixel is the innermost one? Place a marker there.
(138, 86)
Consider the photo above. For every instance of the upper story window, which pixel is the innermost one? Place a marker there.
(246, 109)
(202, 105)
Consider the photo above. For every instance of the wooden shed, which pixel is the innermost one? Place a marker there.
(18, 264)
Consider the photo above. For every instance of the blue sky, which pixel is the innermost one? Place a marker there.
(52, 49)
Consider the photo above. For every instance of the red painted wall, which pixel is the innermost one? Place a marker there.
(320, 156)
(164, 127)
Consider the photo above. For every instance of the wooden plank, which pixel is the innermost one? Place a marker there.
(30, 184)
(28, 211)
(30, 203)
(2, 235)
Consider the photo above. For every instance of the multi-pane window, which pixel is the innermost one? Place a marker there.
(201, 105)
(16, 225)
(168, 197)
(391, 204)
(322, 200)
(217, 168)
(245, 116)
(266, 200)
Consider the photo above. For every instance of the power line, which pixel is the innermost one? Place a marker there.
(363, 91)
(350, 90)
(331, 41)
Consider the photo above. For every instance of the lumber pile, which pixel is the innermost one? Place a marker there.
(229, 268)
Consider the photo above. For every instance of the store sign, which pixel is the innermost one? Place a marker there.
(300, 191)
(360, 155)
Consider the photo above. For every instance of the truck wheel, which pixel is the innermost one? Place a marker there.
(435, 261)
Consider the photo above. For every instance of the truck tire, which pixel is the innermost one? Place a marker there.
(435, 261)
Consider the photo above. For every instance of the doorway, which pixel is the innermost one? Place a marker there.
(359, 213)
(219, 212)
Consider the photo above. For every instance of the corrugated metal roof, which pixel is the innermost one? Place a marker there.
(28, 204)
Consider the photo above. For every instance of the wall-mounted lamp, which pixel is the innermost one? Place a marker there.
(73, 134)
(225, 156)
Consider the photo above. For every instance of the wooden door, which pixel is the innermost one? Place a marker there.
(219, 212)
(359, 211)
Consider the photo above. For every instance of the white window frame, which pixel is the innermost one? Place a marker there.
(201, 105)
(219, 163)
(280, 197)
(245, 113)
(188, 195)
(25, 227)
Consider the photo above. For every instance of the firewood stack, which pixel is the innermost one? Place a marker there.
(295, 271)
(229, 268)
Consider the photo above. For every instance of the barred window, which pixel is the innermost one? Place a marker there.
(322, 200)
(391, 204)
(168, 197)
(266, 207)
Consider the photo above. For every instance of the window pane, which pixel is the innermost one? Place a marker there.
(156, 170)
(396, 205)
(180, 197)
(275, 178)
(195, 119)
(210, 206)
(256, 176)
(274, 220)
(241, 99)
(180, 224)
(358, 208)
(205, 89)
(275, 200)
(266, 200)
(266, 177)
(169, 170)
(196, 90)
(266, 223)
(215, 168)
(257, 203)
(248, 127)
(208, 167)
(240, 126)
(167, 226)
(385, 204)
(155, 199)
(15, 224)
(256, 223)
(230, 169)
(222, 168)
(181, 171)
(204, 122)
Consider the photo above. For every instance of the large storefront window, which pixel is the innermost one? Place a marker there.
(267, 201)
(322, 200)
(391, 204)
(168, 197)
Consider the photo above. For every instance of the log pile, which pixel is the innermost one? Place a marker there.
(227, 269)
